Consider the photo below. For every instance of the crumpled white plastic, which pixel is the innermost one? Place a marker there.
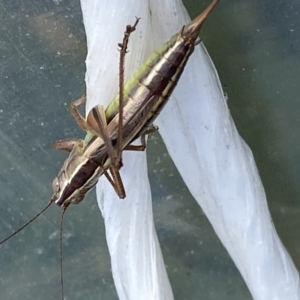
(215, 163)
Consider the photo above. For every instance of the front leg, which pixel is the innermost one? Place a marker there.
(67, 144)
(77, 116)
(142, 147)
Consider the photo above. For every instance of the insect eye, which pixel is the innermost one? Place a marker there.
(55, 185)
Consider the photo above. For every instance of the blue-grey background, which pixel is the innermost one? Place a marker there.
(255, 47)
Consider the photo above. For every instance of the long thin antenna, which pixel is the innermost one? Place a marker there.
(61, 252)
(26, 224)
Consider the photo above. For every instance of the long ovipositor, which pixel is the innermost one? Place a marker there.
(144, 96)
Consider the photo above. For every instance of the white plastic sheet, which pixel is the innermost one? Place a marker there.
(214, 161)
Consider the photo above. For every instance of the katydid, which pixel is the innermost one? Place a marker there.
(129, 116)
(145, 94)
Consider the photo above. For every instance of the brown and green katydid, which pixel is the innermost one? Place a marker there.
(113, 130)
(143, 97)
(145, 94)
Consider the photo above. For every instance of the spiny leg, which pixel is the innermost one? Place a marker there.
(96, 120)
(67, 144)
(123, 51)
(142, 147)
(83, 123)
(115, 178)
(116, 182)
(77, 116)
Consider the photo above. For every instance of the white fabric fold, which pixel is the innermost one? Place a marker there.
(215, 163)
